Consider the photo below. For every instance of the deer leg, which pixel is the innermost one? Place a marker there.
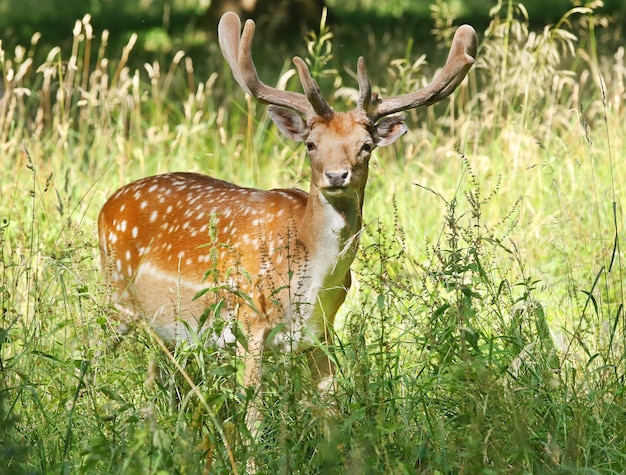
(322, 367)
(251, 357)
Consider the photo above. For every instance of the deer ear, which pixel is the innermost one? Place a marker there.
(290, 123)
(388, 130)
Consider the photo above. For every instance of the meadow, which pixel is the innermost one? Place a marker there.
(485, 331)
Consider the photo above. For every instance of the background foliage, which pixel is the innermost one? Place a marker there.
(485, 332)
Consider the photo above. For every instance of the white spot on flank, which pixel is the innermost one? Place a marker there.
(127, 255)
(123, 226)
(143, 205)
(135, 231)
(153, 216)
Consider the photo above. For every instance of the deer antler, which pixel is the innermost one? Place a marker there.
(237, 51)
(238, 54)
(460, 60)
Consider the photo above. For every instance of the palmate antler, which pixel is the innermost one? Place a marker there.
(237, 51)
(460, 60)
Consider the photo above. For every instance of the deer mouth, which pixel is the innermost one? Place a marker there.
(335, 191)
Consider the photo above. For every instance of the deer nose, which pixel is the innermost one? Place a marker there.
(337, 178)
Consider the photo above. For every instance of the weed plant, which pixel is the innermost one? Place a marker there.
(485, 332)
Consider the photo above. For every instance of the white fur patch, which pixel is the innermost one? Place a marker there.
(302, 326)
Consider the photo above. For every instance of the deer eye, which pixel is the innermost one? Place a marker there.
(310, 146)
(367, 147)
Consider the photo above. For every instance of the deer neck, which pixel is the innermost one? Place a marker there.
(331, 231)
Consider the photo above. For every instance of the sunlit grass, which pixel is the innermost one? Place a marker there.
(485, 331)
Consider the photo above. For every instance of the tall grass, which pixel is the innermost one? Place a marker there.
(485, 332)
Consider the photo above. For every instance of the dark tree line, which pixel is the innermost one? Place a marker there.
(274, 14)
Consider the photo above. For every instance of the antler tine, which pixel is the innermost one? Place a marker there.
(365, 88)
(238, 54)
(460, 60)
(228, 31)
(311, 89)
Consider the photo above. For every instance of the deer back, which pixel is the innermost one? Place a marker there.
(165, 239)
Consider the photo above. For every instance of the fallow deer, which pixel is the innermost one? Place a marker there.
(185, 250)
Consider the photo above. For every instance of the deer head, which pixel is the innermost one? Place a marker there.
(339, 143)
